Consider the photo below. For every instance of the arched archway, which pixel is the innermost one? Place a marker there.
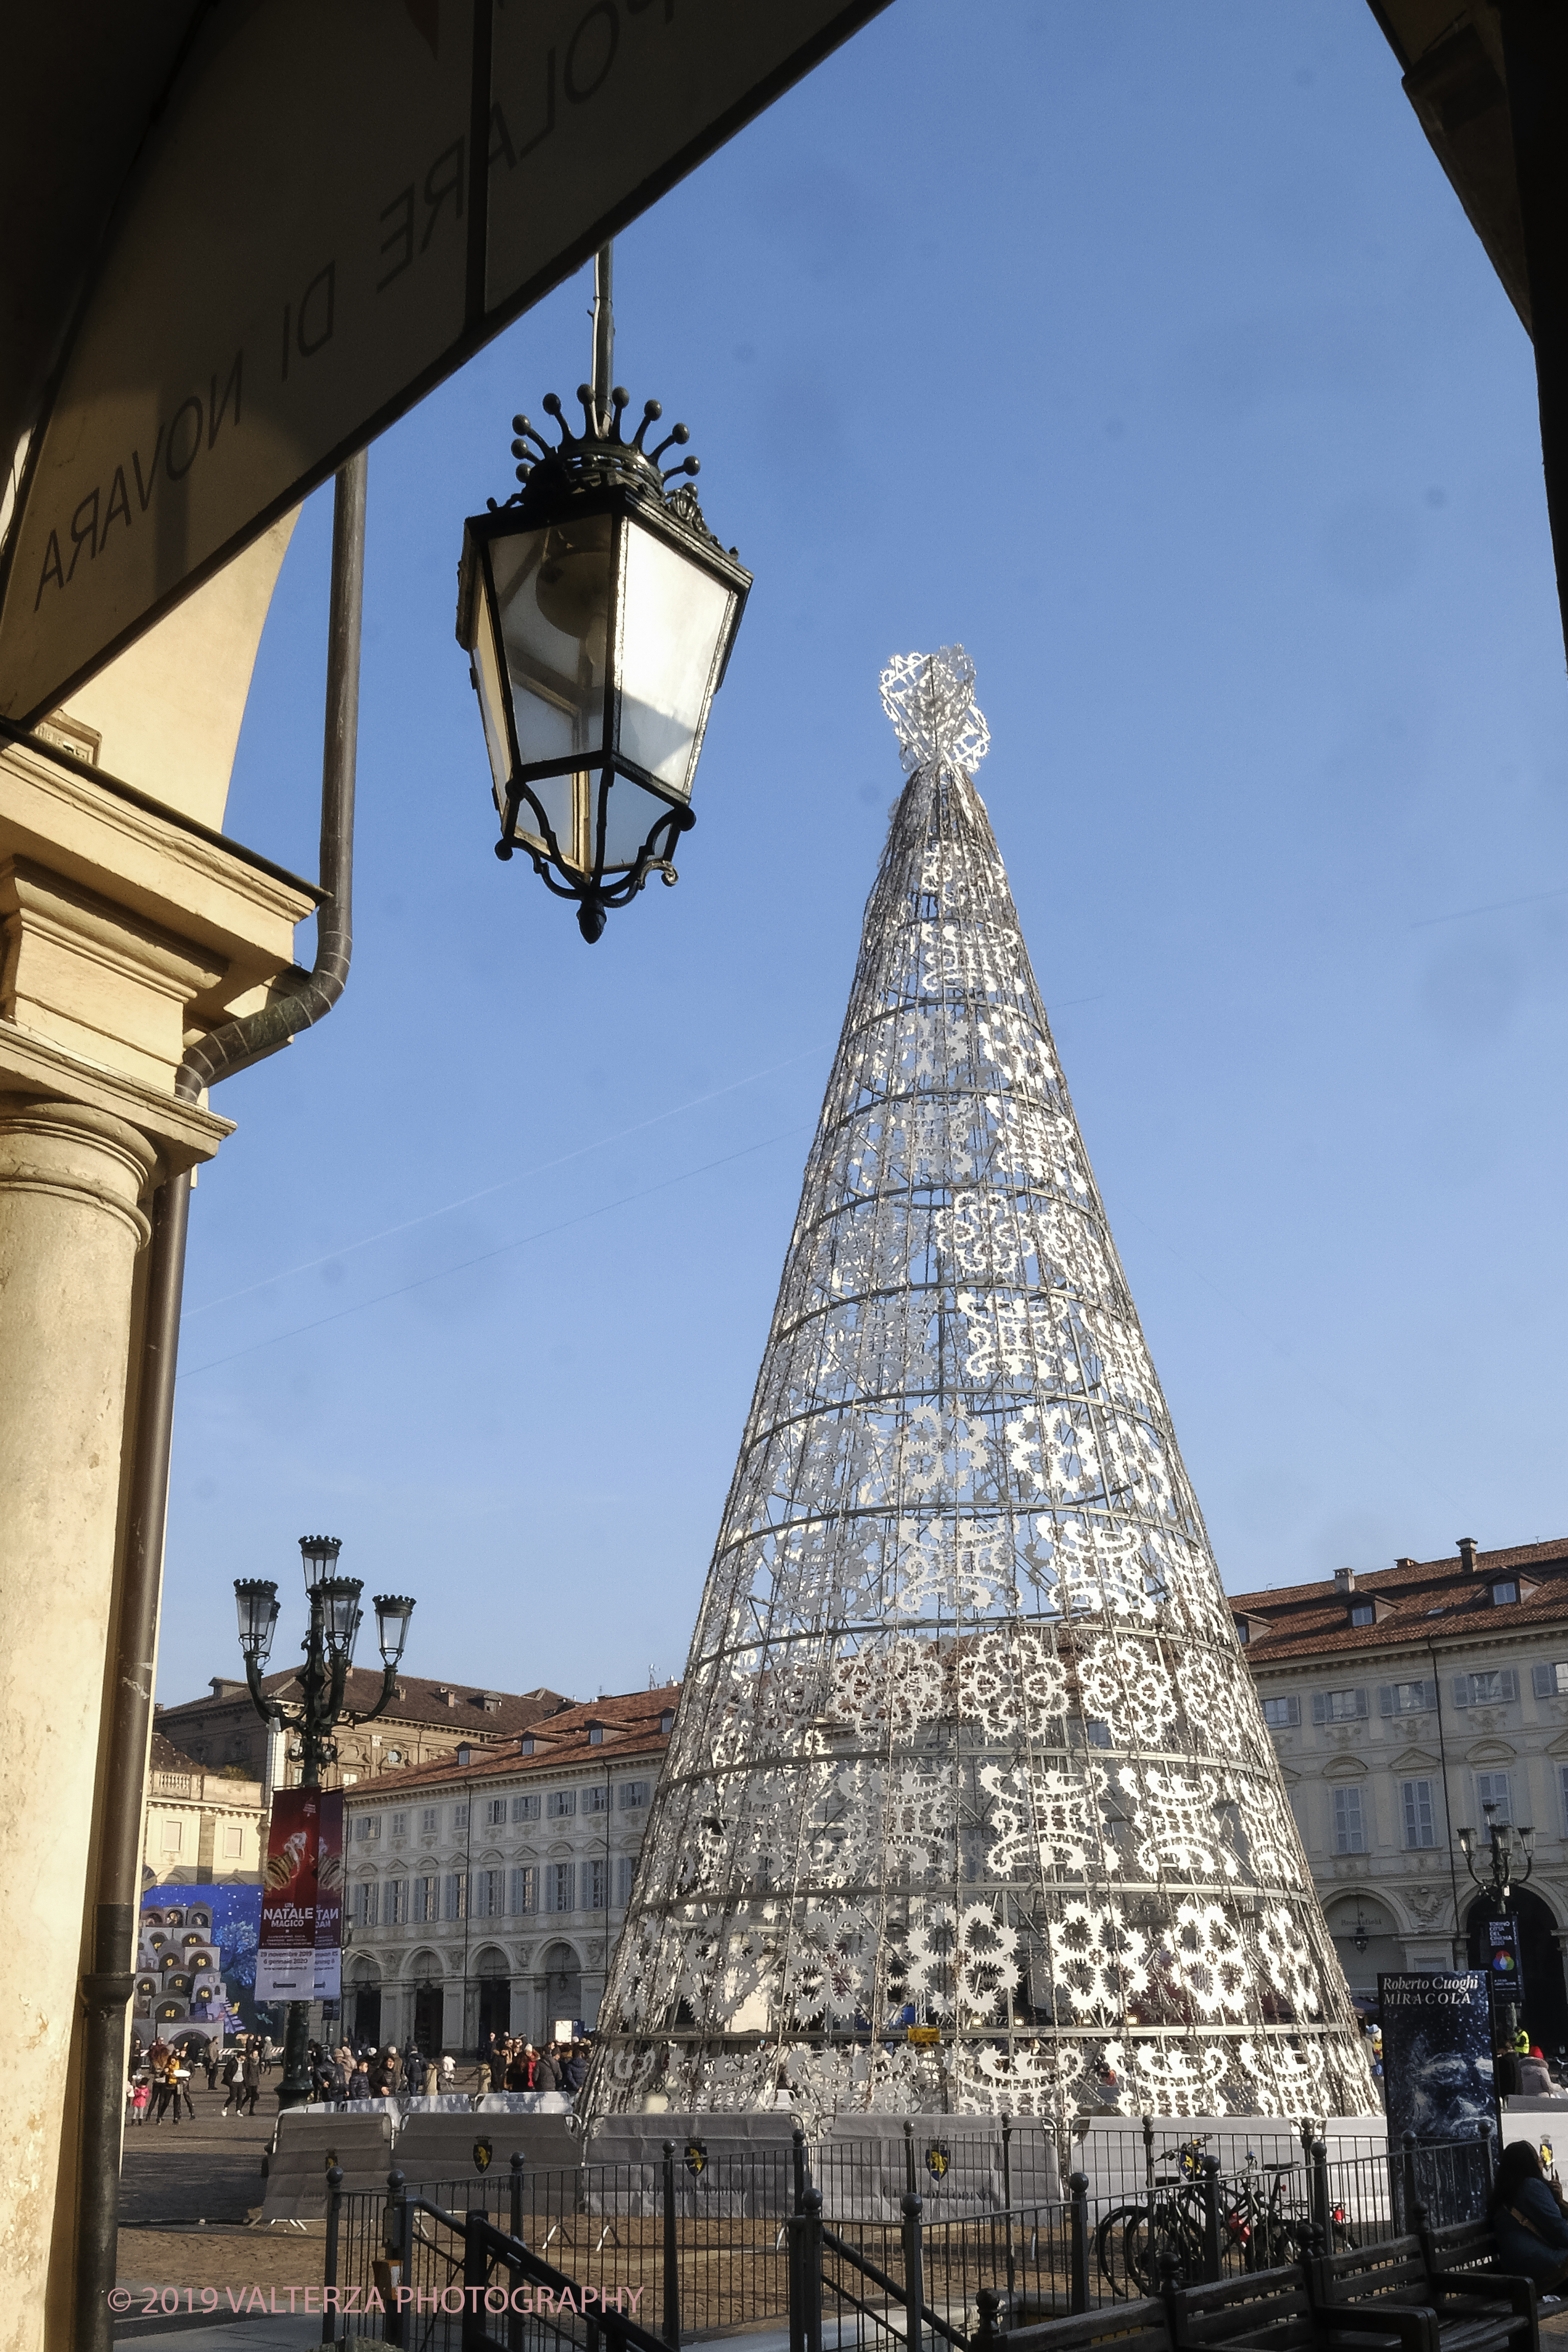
(1545, 1996)
(492, 1978)
(563, 1986)
(1362, 1917)
(364, 2005)
(428, 1979)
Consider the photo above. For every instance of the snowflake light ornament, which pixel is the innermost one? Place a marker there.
(930, 698)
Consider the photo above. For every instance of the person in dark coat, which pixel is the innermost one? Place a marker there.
(1528, 2219)
(231, 2081)
(547, 2076)
(250, 2080)
(413, 2074)
(574, 2073)
(359, 2082)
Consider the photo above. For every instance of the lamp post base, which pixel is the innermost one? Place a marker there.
(294, 2091)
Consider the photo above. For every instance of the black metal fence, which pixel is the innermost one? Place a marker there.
(837, 2242)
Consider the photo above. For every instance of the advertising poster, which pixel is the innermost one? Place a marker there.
(328, 1982)
(286, 1956)
(1438, 2054)
(195, 1960)
(1502, 1958)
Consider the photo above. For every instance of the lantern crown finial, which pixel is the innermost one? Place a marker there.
(598, 456)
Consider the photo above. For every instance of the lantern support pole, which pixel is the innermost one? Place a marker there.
(603, 334)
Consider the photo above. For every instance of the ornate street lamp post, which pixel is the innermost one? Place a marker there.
(329, 1648)
(1502, 1848)
(598, 611)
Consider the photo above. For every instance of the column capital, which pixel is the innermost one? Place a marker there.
(34, 1067)
(78, 1153)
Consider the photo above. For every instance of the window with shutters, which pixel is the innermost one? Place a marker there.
(593, 1887)
(1550, 1682)
(524, 1892)
(560, 1886)
(1406, 1699)
(1420, 1825)
(1493, 1788)
(495, 1812)
(1492, 1689)
(626, 1865)
(456, 1904)
(1339, 1706)
(426, 1899)
(562, 1802)
(1363, 1613)
(460, 1816)
(1503, 1591)
(1562, 1792)
(525, 1809)
(430, 1819)
(171, 1837)
(395, 1910)
(1279, 1714)
(632, 1792)
(1349, 1830)
(400, 1825)
(487, 1893)
(234, 1844)
(367, 1826)
(364, 1912)
(595, 1799)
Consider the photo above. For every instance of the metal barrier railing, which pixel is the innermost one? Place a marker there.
(834, 2238)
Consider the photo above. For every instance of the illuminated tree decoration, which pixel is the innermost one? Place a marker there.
(965, 1741)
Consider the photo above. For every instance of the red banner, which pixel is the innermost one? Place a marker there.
(329, 1978)
(286, 1950)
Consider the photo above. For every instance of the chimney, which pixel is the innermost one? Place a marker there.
(1404, 1561)
(1467, 1554)
(1345, 1579)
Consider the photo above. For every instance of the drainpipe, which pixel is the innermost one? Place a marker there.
(107, 1990)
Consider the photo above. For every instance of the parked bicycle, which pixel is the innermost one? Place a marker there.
(1258, 2229)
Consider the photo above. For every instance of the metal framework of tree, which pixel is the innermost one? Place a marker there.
(966, 1740)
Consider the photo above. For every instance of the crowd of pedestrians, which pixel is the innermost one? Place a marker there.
(157, 2078)
(506, 2064)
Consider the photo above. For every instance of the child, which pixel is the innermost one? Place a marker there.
(140, 2093)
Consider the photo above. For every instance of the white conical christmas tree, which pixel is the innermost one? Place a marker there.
(965, 1741)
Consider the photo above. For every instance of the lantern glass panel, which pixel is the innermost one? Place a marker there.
(630, 815)
(674, 623)
(492, 699)
(552, 593)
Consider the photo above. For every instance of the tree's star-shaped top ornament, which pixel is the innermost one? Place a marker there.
(930, 698)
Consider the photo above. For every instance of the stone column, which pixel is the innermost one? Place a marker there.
(72, 1179)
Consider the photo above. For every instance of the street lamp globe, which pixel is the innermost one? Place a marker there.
(598, 611)
(318, 1558)
(256, 1601)
(394, 1610)
(340, 1617)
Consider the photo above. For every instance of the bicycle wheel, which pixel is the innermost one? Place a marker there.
(1149, 2236)
(1108, 2238)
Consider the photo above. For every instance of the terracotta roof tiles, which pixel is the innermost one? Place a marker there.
(1438, 1600)
(628, 1722)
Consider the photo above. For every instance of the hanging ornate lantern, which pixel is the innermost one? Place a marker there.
(598, 611)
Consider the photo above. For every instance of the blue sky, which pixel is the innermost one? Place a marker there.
(1148, 353)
